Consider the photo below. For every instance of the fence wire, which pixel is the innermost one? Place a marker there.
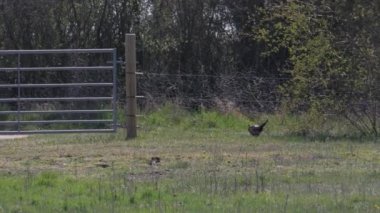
(260, 95)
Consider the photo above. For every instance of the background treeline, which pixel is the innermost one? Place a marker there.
(313, 56)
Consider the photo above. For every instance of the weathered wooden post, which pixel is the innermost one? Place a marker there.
(130, 75)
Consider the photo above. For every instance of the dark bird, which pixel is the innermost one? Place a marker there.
(256, 129)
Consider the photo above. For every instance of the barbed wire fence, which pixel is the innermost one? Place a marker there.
(261, 92)
(248, 94)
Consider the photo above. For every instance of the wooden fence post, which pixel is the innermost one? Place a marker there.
(130, 75)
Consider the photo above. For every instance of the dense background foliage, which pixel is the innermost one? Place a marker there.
(314, 56)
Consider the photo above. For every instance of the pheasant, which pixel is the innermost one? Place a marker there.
(256, 129)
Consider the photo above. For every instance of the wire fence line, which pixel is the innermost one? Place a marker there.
(216, 76)
(241, 88)
(242, 76)
(253, 95)
(249, 78)
(212, 100)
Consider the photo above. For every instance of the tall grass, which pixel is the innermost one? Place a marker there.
(310, 126)
(174, 116)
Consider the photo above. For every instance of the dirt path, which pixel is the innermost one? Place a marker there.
(6, 137)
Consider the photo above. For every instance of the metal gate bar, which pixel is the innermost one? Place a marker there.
(55, 111)
(57, 99)
(57, 68)
(54, 122)
(28, 132)
(55, 51)
(56, 85)
(19, 69)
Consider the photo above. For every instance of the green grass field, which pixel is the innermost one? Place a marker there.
(209, 163)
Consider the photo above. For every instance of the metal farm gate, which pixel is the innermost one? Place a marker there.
(78, 111)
